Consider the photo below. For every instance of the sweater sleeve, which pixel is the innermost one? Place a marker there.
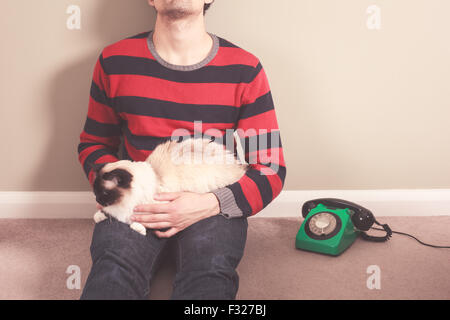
(259, 136)
(101, 135)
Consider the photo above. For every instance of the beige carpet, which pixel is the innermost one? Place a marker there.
(35, 254)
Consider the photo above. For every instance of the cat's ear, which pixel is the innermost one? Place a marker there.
(120, 177)
(96, 167)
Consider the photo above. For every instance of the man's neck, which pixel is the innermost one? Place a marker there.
(182, 42)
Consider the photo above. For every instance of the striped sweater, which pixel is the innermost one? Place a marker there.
(140, 100)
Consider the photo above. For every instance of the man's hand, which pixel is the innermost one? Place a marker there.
(182, 210)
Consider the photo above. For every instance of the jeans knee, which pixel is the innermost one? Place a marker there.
(211, 284)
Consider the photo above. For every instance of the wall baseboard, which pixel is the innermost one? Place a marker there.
(390, 202)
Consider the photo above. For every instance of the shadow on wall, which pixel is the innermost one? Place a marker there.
(107, 21)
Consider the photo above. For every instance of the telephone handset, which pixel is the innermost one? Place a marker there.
(362, 218)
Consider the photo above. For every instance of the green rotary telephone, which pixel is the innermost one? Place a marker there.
(331, 226)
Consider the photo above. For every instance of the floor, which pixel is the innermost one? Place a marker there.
(35, 255)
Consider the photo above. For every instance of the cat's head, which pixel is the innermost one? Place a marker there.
(123, 182)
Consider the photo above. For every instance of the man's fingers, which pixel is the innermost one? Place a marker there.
(154, 207)
(149, 218)
(166, 234)
(157, 225)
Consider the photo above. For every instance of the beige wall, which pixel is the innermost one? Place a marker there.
(358, 108)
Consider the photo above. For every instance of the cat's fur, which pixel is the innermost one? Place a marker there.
(195, 165)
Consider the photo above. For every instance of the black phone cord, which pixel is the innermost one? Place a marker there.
(421, 242)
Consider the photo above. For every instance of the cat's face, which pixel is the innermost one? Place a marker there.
(123, 182)
(111, 183)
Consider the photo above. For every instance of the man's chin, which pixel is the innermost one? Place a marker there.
(177, 14)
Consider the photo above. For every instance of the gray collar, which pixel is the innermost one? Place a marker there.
(191, 67)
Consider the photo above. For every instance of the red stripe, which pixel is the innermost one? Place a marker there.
(264, 121)
(102, 159)
(99, 77)
(162, 127)
(141, 155)
(128, 47)
(269, 173)
(86, 152)
(274, 155)
(102, 113)
(251, 193)
(274, 179)
(112, 142)
(107, 158)
(252, 132)
(91, 178)
(229, 55)
(135, 154)
(192, 93)
(257, 88)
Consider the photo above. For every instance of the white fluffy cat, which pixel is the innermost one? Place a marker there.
(195, 165)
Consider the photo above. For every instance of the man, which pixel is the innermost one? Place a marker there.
(178, 76)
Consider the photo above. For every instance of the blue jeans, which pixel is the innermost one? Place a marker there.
(208, 252)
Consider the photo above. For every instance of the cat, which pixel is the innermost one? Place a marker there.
(194, 165)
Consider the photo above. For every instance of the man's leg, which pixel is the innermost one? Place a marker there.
(208, 253)
(122, 262)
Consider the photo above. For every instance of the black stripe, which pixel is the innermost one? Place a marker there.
(264, 187)
(99, 95)
(261, 105)
(250, 76)
(94, 156)
(85, 145)
(141, 35)
(176, 111)
(226, 43)
(149, 67)
(279, 170)
(150, 142)
(102, 63)
(240, 199)
(143, 142)
(282, 174)
(101, 129)
(264, 141)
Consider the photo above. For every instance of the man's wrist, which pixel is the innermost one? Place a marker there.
(227, 203)
(213, 206)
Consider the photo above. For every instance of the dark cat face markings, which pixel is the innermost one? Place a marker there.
(108, 197)
(119, 178)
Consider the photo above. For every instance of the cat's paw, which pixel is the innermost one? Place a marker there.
(136, 226)
(99, 216)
